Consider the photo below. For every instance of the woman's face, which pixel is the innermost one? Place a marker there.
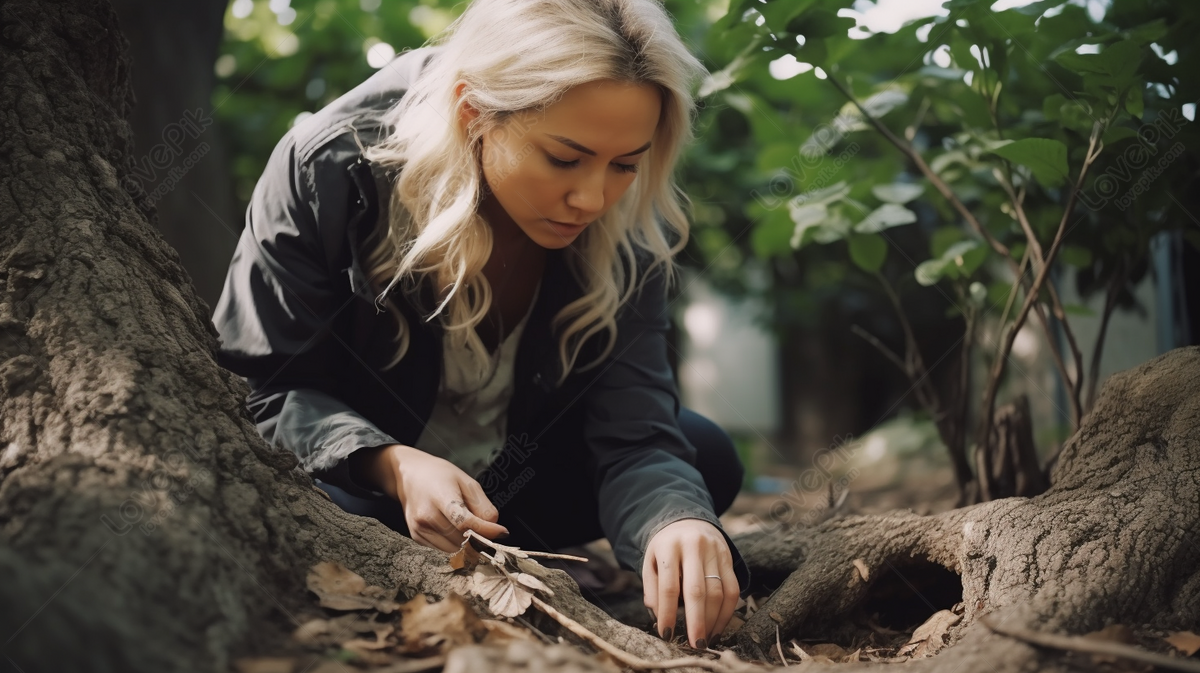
(553, 173)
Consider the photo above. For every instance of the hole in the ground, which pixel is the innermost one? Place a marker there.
(904, 596)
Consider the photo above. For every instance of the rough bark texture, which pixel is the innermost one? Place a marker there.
(1112, 541)
(144, 523)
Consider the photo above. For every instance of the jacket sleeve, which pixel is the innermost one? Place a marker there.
(276, 319)
(646, 470)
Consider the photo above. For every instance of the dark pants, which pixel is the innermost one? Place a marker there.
(545, 489)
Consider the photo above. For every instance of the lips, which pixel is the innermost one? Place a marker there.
(569, 224)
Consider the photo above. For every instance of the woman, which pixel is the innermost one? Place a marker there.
(450, 298)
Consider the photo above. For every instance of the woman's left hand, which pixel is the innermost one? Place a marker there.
(678, 558)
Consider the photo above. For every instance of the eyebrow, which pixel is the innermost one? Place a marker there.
(576, 146)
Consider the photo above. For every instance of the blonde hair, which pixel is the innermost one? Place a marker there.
(516, 56)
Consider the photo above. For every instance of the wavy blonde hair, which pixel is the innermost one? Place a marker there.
(516, 56)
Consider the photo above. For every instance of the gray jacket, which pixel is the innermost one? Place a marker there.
(298, 320)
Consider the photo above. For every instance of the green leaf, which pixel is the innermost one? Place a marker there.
(885, 217)
(1045, 157)
(1133, 100)
(930, 271)
(806, 218)
(1078, 309)
(868, 252)
(772, 235)
(897, 192)
(943, 238)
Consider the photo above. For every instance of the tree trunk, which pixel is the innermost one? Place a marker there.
(1112, 541)
(144, 523)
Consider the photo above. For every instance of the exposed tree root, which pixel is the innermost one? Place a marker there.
(1112, 541)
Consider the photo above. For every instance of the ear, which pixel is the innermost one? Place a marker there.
(466, 112)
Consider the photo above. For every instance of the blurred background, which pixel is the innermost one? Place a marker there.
(818, 243)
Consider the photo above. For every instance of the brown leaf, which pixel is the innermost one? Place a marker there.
(506, 598)
(311, 631)
(439, 626)
(930, 636)
(501, 632)
(465, 557)
(341, 589)
(533, 583)
(1184, 641)
(265, 664)
(861, 567)
(827, 650)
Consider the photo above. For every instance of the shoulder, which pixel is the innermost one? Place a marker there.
(361, 109)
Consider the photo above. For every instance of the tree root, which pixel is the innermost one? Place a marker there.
(1112, 541)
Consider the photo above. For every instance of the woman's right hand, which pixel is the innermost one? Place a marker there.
(440, 501)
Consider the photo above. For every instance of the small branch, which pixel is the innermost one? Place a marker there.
(1089, 646)
(625, 658)
(928, 172)
(779, 646)
(882, 348)
(989, 402)
(1033, 251)
(521, 553)
(1110, 303)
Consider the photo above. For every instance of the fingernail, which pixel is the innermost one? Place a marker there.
(503, 535)
(671, 633)
(651, 613)
(701, 644)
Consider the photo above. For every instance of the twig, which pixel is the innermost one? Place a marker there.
(1033, 250)
(989, 400)
(521, 553)
(625, 658)
(1110, 303)
(779, 646)
(1089, 646)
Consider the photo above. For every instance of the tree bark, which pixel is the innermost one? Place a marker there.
(1112, 541)
(144, 523)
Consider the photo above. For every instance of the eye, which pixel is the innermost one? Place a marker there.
(562, 163)
(555, 161)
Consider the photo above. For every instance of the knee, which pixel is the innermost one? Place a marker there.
(716, 457)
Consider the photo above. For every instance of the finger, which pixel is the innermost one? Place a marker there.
(668, 590)
(695, 595)
(440, 532)
(732, 591)
(715, 598)
(650, 584)
(478, 502)
(461, 518)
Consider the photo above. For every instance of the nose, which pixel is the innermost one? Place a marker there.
(587, 195)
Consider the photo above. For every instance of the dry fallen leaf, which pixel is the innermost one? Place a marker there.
(828, 651)
(501, 632)
(466, 556)
(930, 637)
(863, 571)
(437, 627)
(341, 589)
(506, 597)
(1184, 641)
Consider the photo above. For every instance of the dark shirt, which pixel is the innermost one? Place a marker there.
(298, 320)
